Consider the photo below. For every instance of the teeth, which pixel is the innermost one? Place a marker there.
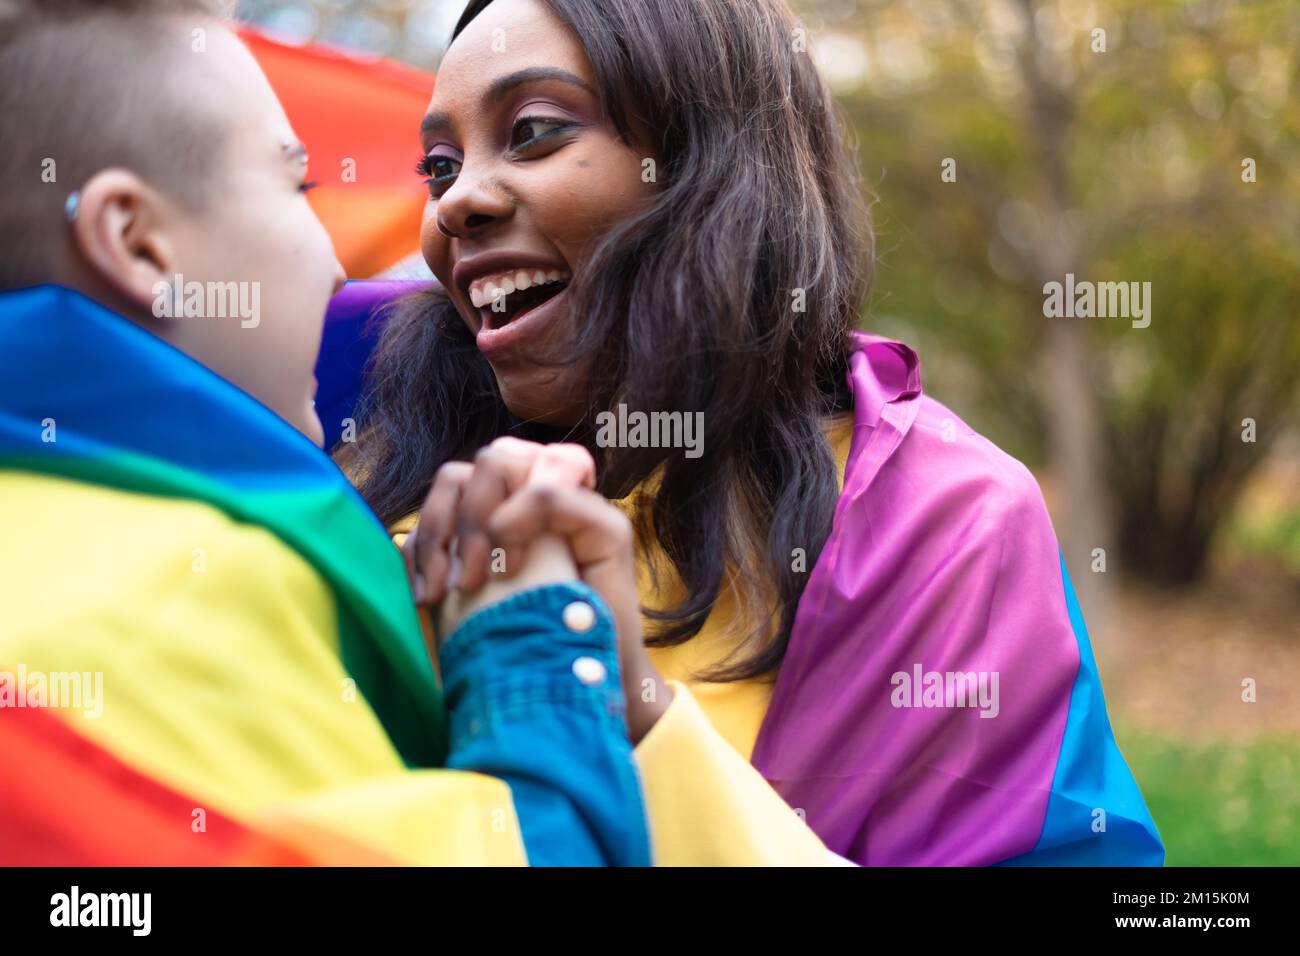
(483, 291)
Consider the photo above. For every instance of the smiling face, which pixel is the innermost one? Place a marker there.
(525, 172)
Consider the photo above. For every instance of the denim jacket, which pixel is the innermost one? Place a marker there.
(535, 699)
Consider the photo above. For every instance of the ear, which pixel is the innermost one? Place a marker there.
(120, 231)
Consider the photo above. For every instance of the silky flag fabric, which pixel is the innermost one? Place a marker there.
(209, 655)
(939, 702)
(65, 801)
(353, 324)
(359, 119)
(118, 428)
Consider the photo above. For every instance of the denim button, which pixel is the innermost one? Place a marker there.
(579, 616)
(589, 670)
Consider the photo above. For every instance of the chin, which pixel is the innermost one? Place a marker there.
(542, 396)
(529, 406)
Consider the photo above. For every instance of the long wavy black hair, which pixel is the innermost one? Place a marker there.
(731, 293)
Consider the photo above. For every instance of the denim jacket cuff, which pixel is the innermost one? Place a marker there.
(546, 648)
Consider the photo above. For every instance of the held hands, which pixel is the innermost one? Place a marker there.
(536, 504)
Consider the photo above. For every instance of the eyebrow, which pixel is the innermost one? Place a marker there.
(437, 122)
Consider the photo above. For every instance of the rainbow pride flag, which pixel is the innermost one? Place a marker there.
(208, 654)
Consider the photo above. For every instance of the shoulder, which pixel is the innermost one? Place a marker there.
(938, 471)
(923, 489)
(952, 457)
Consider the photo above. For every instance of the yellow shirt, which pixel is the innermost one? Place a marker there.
(735, 708)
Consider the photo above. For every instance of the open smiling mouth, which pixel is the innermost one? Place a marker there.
(517, 304)
(501, 301)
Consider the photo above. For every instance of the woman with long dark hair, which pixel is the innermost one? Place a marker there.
(651, 240)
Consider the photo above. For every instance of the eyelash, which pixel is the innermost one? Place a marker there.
(308, 186)
(424, 167)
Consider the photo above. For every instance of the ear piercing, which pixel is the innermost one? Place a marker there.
(72, 205)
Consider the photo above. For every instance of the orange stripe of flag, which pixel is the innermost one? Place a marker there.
(65, 801)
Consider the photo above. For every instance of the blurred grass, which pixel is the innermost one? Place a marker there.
(1220, 804)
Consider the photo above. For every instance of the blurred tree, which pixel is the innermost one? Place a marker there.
(1125, 140)
(1150, 141)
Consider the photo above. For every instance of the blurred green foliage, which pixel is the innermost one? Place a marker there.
(1117, 165)
(1276, 537)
